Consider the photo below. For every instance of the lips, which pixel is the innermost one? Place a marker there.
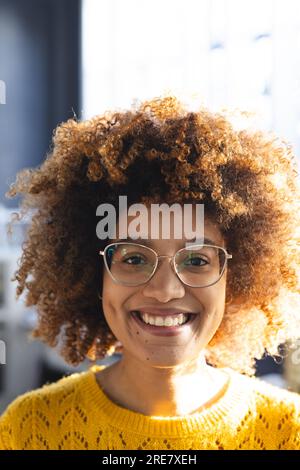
(163, 330)
(140, 314)
(163, 312)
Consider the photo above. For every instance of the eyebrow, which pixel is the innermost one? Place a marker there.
(147, 242)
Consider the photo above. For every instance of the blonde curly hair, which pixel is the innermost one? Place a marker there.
(248, 181)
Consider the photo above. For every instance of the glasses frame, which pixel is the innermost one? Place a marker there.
(172, 259)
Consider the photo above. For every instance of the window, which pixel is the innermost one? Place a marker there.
(220, 53)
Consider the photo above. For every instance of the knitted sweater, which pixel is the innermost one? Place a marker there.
(75, 413)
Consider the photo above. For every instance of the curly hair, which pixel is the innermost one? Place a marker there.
(247, 179)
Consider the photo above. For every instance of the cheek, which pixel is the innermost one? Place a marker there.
(114, 298)
(217, 302)
(111, 292)
(212, 298)
(213, 302)
(113, 313)
(111, 299)
(108, 288)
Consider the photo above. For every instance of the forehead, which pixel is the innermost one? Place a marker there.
(174, 224)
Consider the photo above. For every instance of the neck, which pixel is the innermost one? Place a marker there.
(162, 391)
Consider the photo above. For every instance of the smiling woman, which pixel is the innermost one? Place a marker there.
(189, 319)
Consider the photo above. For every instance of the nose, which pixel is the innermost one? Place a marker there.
(164, 284)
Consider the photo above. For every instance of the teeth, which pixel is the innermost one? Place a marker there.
(164, 321)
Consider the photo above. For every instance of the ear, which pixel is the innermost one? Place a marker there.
(233, 304)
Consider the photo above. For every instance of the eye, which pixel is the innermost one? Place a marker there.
(195, 261)
(134, 259)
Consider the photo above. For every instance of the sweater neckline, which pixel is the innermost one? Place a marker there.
(232, 401)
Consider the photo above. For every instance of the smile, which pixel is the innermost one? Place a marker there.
(163, 325)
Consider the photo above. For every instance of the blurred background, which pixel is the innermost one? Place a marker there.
(60, 58)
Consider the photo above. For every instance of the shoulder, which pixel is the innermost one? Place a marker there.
(276, 412)
(38, 414)
(272, 396)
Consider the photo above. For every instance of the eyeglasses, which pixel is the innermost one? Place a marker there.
(132, 264)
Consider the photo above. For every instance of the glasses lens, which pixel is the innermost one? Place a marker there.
(130, 264)
(200, 266)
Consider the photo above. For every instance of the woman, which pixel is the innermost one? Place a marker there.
(189, 321)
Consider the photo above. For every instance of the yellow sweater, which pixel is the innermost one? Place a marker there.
(75, 413)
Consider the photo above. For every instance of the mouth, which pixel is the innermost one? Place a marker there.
(163, 325)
